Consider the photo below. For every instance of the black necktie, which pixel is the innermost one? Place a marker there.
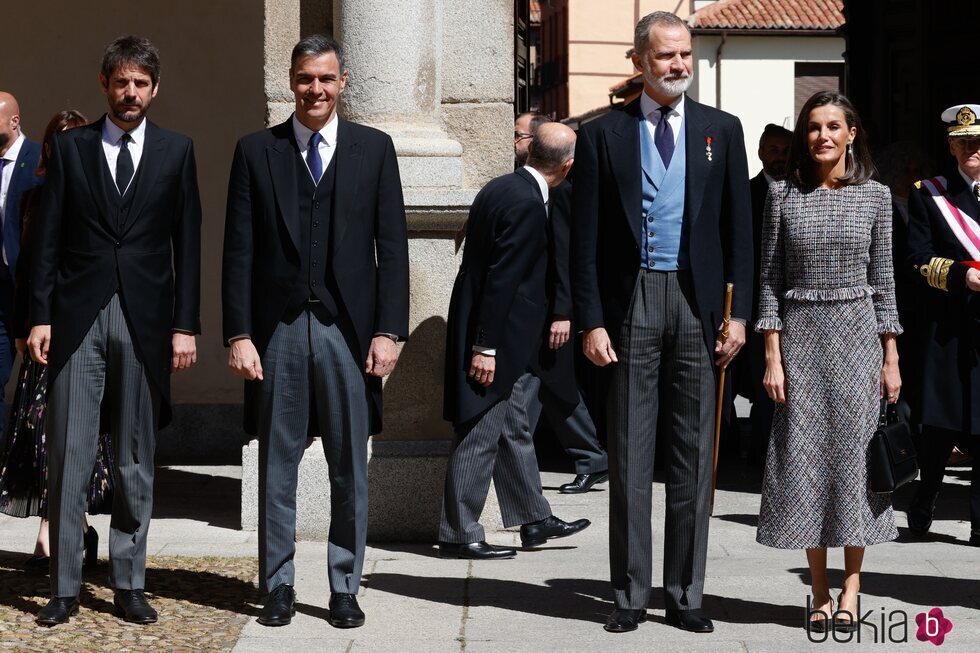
(124, 164)
(663, 136)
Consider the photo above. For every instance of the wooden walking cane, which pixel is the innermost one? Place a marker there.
(721, 391)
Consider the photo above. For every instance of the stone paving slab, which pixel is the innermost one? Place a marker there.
(556, 598)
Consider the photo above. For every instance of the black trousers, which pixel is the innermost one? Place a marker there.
(936, 446)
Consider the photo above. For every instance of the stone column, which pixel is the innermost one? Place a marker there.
(394, 52)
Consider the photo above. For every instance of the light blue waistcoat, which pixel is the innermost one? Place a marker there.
(662, 230)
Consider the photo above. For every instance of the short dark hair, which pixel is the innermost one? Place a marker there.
(132, 50)
(860, 167)
(537, 119)
(772, 131)
(641, 34)
(315, 45)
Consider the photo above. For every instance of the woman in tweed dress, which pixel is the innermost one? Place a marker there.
(827, 308)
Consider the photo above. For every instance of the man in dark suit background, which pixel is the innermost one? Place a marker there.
(750, 368)
(558, 395)
(662, 220)
(19, 158)
(315, 296)
(498, 307)
(114, 311)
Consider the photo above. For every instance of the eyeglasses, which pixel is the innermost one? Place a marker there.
(520, 136)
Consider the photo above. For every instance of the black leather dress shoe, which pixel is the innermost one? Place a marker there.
(279, 607)
(624, 621)
(691, 620)
(475, 551)
(584, 483)
(549, 528)
(57, 611)
(975, 538)
(133, 607)
(344, 611)
(37, 562)
(920, 519)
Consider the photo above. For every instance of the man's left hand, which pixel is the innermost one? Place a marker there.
(185, 351)
(727, 348)
(381, 357)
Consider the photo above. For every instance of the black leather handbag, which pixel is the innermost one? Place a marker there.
(891, 454)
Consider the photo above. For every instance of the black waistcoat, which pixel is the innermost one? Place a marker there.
(119, 208)
(315, 278)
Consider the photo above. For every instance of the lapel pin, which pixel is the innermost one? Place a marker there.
(707, 148)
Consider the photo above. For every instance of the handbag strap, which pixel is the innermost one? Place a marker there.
(883, 411)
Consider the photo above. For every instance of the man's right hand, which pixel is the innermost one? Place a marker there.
(243, 359)
(598, 348)
(39, 342)
(973, 279)
(482, 368)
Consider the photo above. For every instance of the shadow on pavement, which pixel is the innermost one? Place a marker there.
(564, 598)
(183, 494)
(941, 591)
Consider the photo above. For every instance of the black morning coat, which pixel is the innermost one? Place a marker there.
(368, 242)
(607, 206)
(948, 324)
(152, 254)
(499, 299)
(556, 367)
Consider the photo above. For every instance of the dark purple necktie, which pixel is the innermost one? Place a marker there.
(663, 136)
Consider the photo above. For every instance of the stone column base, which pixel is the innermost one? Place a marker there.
(405, 481)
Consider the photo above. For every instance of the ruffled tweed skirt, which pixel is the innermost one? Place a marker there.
(23, 454)
(815, 487)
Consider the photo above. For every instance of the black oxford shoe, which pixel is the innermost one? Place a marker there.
(344, 611)
(624, 621)
(279, 607)
(58, 611)
(690, 620)
(549, 528)
(133, 607)
(475, 551)
(975, 538)
(583, 483)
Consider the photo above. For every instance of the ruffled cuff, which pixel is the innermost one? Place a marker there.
(769, 324)
(890, 327)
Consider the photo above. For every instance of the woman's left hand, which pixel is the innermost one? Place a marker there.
(891, 382)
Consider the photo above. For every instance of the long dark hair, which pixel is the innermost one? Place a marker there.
(67, 119)
(859, 165)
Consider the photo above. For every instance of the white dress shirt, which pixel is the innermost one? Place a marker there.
(651, 110)
(543, 186)
(112, 142)
(327, 146)
(10, 156)
(971, 183)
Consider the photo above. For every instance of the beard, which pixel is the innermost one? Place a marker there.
(129, 113)
(672, 87)
(4, 140)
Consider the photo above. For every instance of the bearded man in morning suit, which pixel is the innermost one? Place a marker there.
(661, 221)
(315, 296)
(115, 304)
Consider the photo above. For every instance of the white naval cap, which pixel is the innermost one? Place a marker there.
(962, 120)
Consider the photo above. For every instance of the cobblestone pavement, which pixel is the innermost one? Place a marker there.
(203, 604)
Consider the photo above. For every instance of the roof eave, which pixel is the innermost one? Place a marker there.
(757, 31)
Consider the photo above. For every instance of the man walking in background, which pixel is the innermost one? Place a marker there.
(498, 305)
